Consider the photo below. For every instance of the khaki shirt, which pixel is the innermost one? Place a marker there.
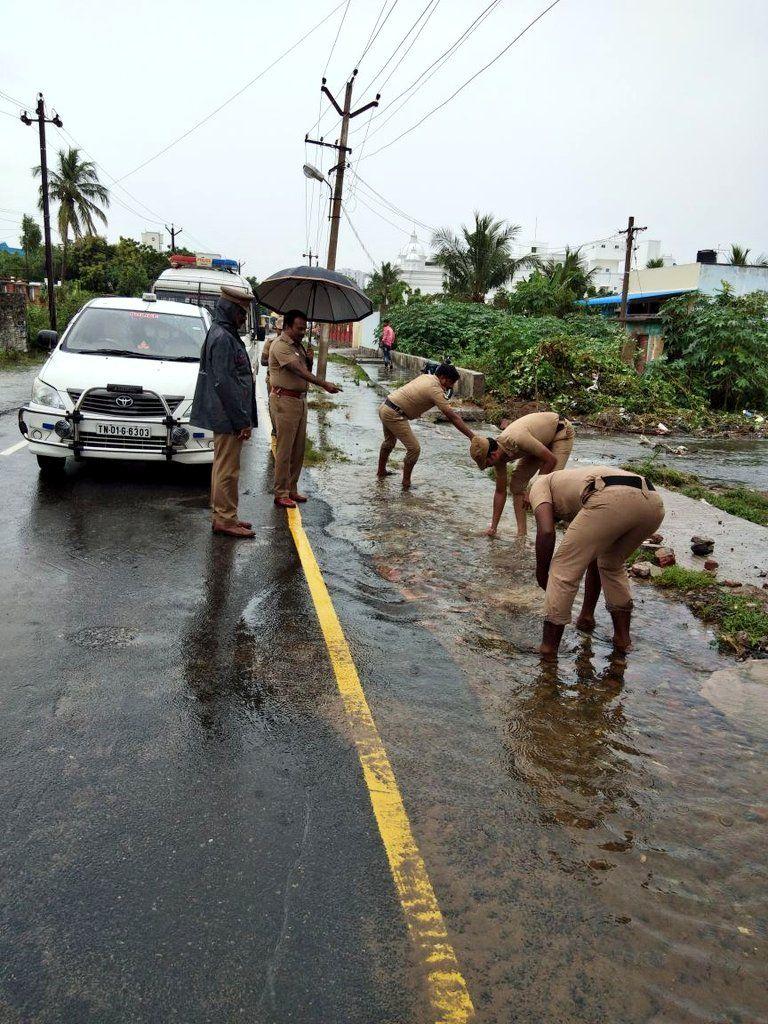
(516, 439)
(419, 395)
(282, 352)
(264, 357)
(564, 489)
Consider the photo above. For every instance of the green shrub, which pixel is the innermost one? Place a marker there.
(69, 300)
(675, 577)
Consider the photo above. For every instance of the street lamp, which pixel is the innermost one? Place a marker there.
(315, 175)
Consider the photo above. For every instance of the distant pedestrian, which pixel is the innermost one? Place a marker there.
(611, 512)
(225, 402)
(290, 374)
(387, 344)
(408, 403)
(540, 442)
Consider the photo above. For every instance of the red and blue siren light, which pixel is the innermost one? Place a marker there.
(211, 262)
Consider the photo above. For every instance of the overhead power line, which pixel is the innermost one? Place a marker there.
(336, 39)
(402, 41)
(421, 80)
(357, 236)
(418, 84)
(234, 96)
(471, 79)
(377, 29)
(391, 206)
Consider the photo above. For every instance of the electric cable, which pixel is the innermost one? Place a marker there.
(471, 79)
(233, 97)
(394, 51)
(359, 239)
(420, 81)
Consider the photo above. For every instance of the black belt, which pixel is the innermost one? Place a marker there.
(622, 481)
(395, 407)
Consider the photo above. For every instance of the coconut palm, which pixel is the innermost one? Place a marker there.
(570, 273)
(75, 186)
(739, 256)
(30, 238)
(385, 288)
(480, 258)
(655, 263)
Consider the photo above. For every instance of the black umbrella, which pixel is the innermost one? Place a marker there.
(321, 295)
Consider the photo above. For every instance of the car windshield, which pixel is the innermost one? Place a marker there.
(136, 333)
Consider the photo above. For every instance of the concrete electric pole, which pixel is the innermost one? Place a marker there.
(346, 113)
(630, 231)
(42, 120)
(173, 231)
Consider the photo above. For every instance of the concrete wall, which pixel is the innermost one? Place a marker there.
(665, 279)
(471, 384)
(13, 322)
(741, 279)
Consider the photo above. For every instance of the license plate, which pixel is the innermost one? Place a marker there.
(122, 430)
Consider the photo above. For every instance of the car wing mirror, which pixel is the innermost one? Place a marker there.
(47, 339)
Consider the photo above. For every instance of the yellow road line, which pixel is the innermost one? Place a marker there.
(446, 988)
(14, 447)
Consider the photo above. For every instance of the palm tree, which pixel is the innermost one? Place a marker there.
(385, 288)
(739, 256)
(480, 259)
(30, 239)
(655, 263)
(75, 186)
(569, 274)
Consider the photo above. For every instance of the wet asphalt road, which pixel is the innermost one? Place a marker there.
(187, 833)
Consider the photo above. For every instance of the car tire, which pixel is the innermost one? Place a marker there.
(51, 468)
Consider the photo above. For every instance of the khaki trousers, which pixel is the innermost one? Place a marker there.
(225, 474)
(526, 467)
(611, 524)
(289, 416)
(398, 428)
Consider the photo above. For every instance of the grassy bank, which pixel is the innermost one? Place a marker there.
(740, 620)
(19, 360)
(738, 501)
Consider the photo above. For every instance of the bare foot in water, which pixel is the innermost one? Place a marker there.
(387, 472)
(586, 623)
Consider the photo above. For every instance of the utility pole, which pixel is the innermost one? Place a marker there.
(42, 120)
(173, 231)
(310, 256)
(630, 231)
(342, 149)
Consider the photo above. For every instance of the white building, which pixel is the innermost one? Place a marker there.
(417, 270)
(605, 258)
(154, 239)
(360, 277)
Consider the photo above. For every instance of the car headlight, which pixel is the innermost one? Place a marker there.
(185, 411)
(44, 394)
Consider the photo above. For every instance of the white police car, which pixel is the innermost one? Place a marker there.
(119, 385)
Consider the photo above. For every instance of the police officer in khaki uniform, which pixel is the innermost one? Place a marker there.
(264, 360)
(541, 442)
(611, 512)
(408, 403)
(290, 365)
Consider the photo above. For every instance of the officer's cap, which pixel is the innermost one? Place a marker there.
(479, 449)
(239, 293)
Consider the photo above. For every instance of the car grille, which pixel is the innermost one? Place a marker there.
(141, 444)
(105, 403)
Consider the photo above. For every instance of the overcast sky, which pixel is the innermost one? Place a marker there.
(605, 108)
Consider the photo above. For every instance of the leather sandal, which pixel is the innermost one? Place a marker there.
(299, 497)
(242, 522)
(285, 503)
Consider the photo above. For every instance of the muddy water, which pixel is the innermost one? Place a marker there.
(596, 830)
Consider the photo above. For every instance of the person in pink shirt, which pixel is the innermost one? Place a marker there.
(387, 343)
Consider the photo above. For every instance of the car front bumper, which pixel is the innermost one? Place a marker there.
(37, 425)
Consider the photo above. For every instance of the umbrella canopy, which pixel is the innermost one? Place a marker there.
(322, 295)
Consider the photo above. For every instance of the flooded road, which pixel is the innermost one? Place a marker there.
(186, 832)
(621, 865)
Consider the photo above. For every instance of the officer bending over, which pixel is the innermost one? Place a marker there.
(408, 403)
(541, 442)
(611, 512)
